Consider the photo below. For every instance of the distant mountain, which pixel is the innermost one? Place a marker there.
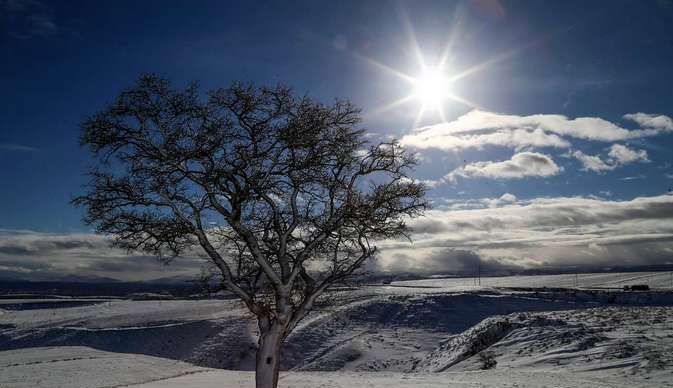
(8, 275)
(88, 279)
(36, 276)
(377, 277)
(81, 289)
(178, 279)
(13, 282)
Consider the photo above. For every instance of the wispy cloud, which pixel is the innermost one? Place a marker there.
(632, 178)
(25, 19)
(17, 147)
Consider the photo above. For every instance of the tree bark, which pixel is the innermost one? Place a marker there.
(268, 356)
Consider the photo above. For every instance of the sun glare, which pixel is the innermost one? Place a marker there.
(432, 88)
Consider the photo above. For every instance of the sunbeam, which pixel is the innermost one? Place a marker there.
(385, 68)
(409, 29)
(392, 105)
(464, 101)
(455, 30)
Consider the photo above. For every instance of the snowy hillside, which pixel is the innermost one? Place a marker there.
(421, 333)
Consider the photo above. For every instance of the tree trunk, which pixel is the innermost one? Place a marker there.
(268, 357)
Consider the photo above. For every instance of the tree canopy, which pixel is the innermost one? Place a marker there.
(283, 195)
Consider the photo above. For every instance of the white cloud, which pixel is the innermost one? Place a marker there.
(624, 155)
(505, 199)
(508, 198)
(592, 162)
(511, 138)
(521, 165)
(652, 121)
(478, 128)
(429, 183)
(618, 155)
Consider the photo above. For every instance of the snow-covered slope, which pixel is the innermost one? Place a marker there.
(626, 340)
(74, 367)
(402, 335)
(207, 333)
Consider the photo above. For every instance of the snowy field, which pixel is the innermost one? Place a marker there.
(662, 280)
(426, 333)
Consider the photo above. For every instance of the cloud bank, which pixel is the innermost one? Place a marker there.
(46, 256)
(542, 233)
(499, 234)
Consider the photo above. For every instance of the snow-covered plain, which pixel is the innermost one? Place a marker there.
(427, 333)
(661, 280)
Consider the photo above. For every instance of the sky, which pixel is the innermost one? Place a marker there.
(543, 129)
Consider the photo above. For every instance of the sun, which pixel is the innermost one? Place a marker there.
(437, 84)
(432, 87)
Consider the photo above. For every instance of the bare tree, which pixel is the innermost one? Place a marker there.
(283, 195)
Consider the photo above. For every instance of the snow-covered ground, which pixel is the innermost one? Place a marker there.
(660, 280)
(481, 379)
(78, 366)
(428, 333)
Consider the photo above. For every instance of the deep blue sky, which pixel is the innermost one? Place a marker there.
(61, 61)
